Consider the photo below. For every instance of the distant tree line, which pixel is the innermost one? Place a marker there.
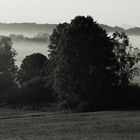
(42, 37)
(86, 70)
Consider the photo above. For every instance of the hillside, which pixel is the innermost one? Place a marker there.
(133, 31)
(33, 28)
(25, 28)
(112, 29)
(130, 31)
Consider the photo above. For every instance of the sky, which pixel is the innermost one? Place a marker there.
(110, 12)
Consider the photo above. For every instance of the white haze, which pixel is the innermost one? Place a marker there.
(24, 48)
(111, 12)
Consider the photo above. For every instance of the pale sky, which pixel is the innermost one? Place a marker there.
(111, 12)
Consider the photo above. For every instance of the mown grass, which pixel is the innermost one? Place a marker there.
(106, 125)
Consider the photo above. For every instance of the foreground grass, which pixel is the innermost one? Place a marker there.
(107, 125)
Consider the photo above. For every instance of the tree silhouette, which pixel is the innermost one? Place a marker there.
(126, 58)
(32, 66)
(84, 60)
(8, 69)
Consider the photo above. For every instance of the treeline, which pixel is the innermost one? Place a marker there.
(42, 37)
(86, 70)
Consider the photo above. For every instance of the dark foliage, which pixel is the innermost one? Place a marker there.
(86, 71)
(35, 89)
(35, 92)
(119, 97)
(126, 58)
(82, 52)
(32, 66)
(87, 62)
(8, 70)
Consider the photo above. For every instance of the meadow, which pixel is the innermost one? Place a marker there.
(32, 125)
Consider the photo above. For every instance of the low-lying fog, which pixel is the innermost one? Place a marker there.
(27, 34)
(24, 48)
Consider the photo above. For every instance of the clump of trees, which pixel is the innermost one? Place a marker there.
(85, 69)
(42, 37)
(88, 62)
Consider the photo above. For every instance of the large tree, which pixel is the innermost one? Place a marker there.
(84, 59)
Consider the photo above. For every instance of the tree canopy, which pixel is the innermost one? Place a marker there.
(8, 69)
(32, 66)
(7, 54)
(86, 60)
(126, 58)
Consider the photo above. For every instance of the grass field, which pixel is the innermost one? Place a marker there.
(106, 125)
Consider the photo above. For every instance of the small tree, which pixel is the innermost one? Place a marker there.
(7, 61)
(8, 69)
(33, 79)
(32, 66)
(126, 58)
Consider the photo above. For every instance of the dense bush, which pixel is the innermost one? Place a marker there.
(35, 92)
(33, 79)
(114, 98)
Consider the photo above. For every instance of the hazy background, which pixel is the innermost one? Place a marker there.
(123, 13)
(111, 12)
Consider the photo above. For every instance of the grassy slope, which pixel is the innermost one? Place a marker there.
(112, 125)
